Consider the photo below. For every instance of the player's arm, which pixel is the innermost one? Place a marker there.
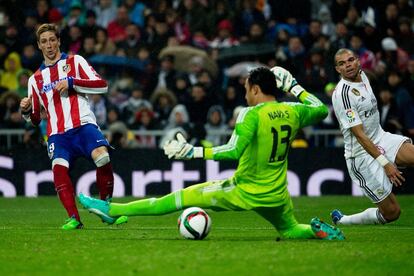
(87, 80)
(313, 110)
(30, 106)
(392, 172)
(243, 133)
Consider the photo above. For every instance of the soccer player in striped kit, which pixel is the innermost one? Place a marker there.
(261, 140)
(59, 88)
(371, 154)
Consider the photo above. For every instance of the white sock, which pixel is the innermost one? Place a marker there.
(369, 216)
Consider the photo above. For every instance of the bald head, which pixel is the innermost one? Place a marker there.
(342, 51)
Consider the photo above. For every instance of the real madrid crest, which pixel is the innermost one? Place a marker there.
(356, 92)
(66, 68)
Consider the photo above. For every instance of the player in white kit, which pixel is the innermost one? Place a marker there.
(372, 155)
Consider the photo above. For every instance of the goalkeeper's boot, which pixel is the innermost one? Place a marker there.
(325, 231)
(101, 209)
(71, 224)
(117, 220)
(336, 216)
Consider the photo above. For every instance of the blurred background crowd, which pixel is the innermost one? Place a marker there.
(180, 65)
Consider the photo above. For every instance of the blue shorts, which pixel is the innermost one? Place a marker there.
(74, 143)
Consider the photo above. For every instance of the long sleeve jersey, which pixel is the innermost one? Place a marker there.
(69, 110)
(261, 141)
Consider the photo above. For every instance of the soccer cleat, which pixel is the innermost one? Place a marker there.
(336, 216)
(71, 224)
(325, 231)
(101, 209)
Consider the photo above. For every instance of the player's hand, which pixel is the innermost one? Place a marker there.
(26, 104)
(284, 79)
(62, 86)
(171, 148)
(394, 174)
(187, 150)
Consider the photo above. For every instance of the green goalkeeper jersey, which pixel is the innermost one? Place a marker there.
(261, 141)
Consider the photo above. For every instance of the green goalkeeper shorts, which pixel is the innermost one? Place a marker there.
(224, 195)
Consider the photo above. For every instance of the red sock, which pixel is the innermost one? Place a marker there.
(105, 181)
(64, 189)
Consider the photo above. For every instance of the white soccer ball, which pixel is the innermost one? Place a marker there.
(194, 223)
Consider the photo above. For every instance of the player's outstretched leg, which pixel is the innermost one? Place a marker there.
(325, 231)
(368, 216)
(101, 209)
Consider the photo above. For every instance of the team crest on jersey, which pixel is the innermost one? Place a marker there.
(66, 68)
(350, 114)
(356, 92)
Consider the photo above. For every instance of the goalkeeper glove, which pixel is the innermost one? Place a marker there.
(180, 149)
(286, 82)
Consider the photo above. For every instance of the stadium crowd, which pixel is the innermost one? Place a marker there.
(181, 65)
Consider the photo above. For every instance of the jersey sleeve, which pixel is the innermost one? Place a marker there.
(245, 129)
(34, 116)
(345, 106)
(87, 80)
(311, 110)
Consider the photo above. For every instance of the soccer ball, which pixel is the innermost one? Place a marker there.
(194, 223)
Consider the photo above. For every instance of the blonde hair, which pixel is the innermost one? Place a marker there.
(47, 28)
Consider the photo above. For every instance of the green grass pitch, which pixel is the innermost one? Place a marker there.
(240, 243)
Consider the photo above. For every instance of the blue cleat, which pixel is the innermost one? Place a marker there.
(101, 209)
(336, 216)
(325, 231)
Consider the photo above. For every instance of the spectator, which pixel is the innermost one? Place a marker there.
(216, 122)
(90, 27)
(98, 107)
(22, 81)
(394, 57)
(117, 27)
(88, 47)
(370, 35)
(163, 102)
(10, 116)
(388, 21)
(389, 114)
(315, 31)
(179, 27)
(198, 104)
(405, 36)
(353, 21)
(224, 38)
(42, 8)
(366, 57)
(119, 136)
(105, 12)
(76, 15)
(133, 105)
(404, 102)
(132, 41)
(8, 77)
(137, 11)
(30, 57)
(315, 75)
(341, 37)
(104, 46)
(145, 120)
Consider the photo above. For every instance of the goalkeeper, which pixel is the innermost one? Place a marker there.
(260, 141)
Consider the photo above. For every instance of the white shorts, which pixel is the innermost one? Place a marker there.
(369, 174)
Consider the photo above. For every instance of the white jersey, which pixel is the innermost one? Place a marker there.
(64, 110)
(354, 103)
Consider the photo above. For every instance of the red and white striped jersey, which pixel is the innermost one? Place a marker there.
(68, 110)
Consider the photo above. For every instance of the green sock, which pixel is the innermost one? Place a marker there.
(148, 207)
(300, 231)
